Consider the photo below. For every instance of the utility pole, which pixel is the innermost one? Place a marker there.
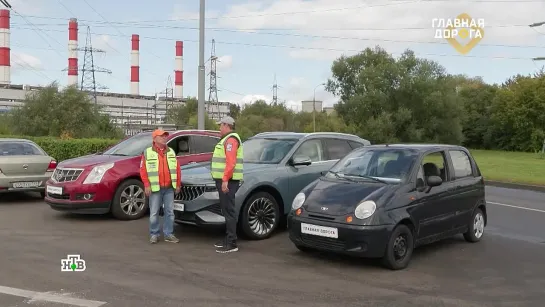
(213, 90)
(314, 107)
(200, 110)
(88, 81)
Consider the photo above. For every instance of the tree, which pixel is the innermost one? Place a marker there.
(396, 100)
(68, 112)
(186, 116)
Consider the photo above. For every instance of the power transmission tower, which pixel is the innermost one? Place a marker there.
(213, 90)
(275, 92)
(168, 93)
(88, 81)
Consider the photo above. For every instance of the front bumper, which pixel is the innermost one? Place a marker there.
(204, 210)
(353, 240)
(78, 198)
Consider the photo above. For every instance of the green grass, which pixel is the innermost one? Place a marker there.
(512, 167)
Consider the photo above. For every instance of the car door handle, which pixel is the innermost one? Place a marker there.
(192, 162)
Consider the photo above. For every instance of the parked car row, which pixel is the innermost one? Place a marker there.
(334, 192)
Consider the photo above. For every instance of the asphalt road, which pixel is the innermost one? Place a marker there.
(507, 268)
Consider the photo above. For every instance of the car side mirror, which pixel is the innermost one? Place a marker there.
(434, 181)
(301, 160)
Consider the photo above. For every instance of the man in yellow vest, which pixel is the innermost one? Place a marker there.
(226, 169)
(161, 174)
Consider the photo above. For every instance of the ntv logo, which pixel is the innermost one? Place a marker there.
(73, 263)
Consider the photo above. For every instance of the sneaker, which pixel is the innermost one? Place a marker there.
(153, 239)
(171, 239)
(219, 244)
(227, 249)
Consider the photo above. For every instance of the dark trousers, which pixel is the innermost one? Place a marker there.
(227, 204)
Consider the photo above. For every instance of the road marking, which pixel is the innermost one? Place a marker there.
(518, 207)
(49, 297)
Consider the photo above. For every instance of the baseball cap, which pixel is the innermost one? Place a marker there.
(227, 120)
(158, 132)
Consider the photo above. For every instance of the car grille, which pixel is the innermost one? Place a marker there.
(190, 192)
(324, 243)
(66, 174)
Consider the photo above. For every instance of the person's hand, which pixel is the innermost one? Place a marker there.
(147, 190)
(178, 189)
(224, 187)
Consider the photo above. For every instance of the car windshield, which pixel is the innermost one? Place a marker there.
(133, 146)
(386, 165)
(19, 149)
(267, 150)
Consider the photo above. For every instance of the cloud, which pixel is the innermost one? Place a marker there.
(347, 26)
(25, 61)
(181, 13)
(104, 42)
(224, 62)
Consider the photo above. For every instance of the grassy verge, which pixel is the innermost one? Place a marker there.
(512, 167)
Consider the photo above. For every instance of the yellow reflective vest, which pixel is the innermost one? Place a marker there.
(152, 167)
(219, 159)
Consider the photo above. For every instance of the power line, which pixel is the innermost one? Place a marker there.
(324, 37)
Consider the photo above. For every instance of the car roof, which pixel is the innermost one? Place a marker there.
(15, 140)
(301, 135)
(188, 131)
(417, 146)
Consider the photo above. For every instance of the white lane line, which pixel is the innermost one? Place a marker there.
(518, 207)
(49, 297)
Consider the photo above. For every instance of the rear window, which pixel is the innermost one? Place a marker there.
(19, 149)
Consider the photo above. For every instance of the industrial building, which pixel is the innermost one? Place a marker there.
(311, 105)
(124, 109)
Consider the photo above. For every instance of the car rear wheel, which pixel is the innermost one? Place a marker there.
(260, 216)
(129, 201)
(399, 249)
(476, 227)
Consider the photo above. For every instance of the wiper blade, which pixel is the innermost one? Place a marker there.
(367, 177)
(342, 177)
(118, 154)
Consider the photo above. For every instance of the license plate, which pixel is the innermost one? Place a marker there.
(179, 207)
(54, 190)
(322, 231)
(26, 184)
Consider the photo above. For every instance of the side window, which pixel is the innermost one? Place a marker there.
(312, 149)
(461, 164)
(355, 145)
(180, 145)
(203, 144)
(420, 180)
(337, 148)
(434, 165)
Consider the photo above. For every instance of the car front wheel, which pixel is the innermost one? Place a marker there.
(260, 216)
(476, 227)
(399, 249)
(129, 201)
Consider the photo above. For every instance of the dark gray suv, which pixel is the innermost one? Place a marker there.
(277, 166)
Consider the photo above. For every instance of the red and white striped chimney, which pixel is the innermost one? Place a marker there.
(179, 71)
(5, 53)
(135, 65)
(73, 52)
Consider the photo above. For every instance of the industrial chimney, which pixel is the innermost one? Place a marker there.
(135, 65)
(73, 52)
(5, 51)
(179, 71)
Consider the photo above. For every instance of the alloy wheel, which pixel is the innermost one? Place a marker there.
(132, 200)
(478, 225)
(261, 216)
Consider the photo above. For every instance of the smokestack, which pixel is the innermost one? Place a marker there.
(73, 52)
(179, 71)
(135, 65)
(5, 53)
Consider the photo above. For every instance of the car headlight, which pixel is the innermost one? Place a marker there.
(96, 174)
(365, 209)
(298, 201)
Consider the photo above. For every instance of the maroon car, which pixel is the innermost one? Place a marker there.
(110, 181)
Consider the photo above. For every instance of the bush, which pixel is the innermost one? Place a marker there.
(63, 149)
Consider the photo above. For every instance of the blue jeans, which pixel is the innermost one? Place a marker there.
(156, 199)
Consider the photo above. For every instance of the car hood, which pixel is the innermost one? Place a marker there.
(341, 197)
(91, 160)
(199, 173)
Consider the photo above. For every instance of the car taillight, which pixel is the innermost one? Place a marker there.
(52, 166)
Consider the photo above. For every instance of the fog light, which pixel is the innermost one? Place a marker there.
(87, 196)
(349, 219)
(298, 211)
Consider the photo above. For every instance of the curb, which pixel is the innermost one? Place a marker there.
(517, 186)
